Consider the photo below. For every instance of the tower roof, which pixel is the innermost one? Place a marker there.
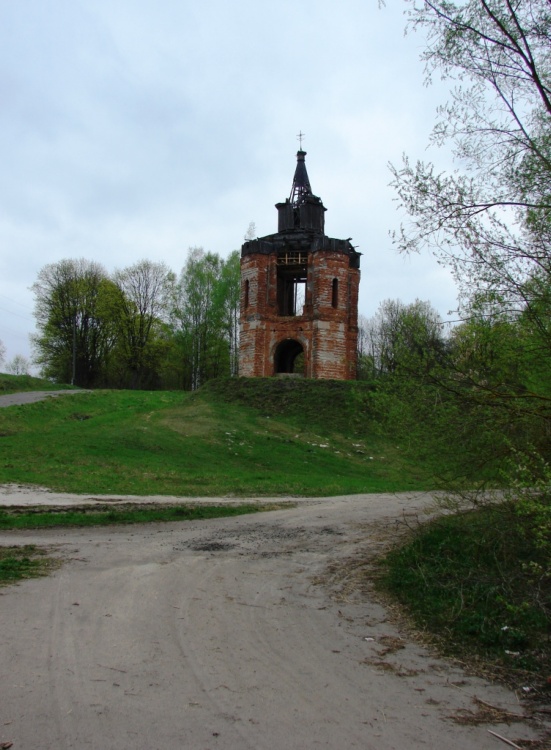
(301, 184)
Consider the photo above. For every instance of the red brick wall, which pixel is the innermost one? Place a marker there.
(328, 335)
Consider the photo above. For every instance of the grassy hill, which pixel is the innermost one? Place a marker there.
(234, 436)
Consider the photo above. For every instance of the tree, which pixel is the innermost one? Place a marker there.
(489, 222)
(230, 294)
(73, 301)
(19, 365)
(2, 352)
(199, 315)
(141, 315)
(403, 338)
(365, 358)
(206, 316)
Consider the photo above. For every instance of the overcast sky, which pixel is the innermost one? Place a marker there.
(134, 129)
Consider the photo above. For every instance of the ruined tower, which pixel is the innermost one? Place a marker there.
(299, 294)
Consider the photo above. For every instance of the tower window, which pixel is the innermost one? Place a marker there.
(291, 282)
(247, 284)
(335, 293)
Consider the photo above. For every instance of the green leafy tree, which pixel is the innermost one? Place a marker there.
(206, 317)
(489, 221)
(141, 314)
(19, 365)
(488, 400)
(365, 363)
(230, 294)
(199, 317)
(403, 338)
(76, 332)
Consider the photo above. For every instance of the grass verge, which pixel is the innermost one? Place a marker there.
(29, 561)
(479, 582)
(102, 516)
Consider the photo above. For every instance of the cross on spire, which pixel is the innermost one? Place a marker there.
(301, 137)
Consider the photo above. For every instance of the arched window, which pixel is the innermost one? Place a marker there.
(335, 293)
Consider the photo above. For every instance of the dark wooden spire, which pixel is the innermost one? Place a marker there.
(301, 184)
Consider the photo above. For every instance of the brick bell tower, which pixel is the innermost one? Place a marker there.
(299, 294)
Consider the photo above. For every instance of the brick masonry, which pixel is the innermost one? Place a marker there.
(324, 329)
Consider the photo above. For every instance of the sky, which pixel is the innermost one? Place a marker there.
(131, 129)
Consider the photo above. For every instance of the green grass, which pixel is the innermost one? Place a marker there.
(21, 383)
(17, 563)
(101, 516)
(478, 580)
(238, 436)
(335, 406)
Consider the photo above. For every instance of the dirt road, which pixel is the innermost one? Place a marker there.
(233, 634)
(30, 397)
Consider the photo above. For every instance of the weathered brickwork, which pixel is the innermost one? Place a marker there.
(299, 295)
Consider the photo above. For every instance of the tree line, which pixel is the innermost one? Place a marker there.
(479, 390)
(489, 222)
(139, 327)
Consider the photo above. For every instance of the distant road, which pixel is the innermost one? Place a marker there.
(29, 397)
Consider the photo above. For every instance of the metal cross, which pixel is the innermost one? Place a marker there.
(300, 136)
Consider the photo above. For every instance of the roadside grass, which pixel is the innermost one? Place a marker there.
(39, 518)
(29, 561)
(21, 383)
(234, 437)
(479, 582)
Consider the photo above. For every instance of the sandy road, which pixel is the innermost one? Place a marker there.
(230, 634)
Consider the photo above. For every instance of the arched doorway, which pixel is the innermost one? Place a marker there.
(289, 357)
